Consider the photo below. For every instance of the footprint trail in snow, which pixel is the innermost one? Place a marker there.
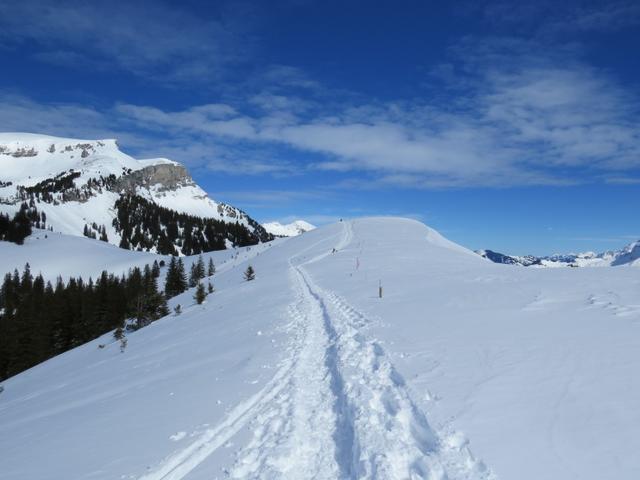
(345, 411)
(335, 409)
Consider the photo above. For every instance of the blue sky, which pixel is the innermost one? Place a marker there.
(505, 126)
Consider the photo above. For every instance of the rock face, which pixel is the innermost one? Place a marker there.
(164, 177)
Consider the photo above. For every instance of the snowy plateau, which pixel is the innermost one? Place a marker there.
(292, 229)
(464, 369)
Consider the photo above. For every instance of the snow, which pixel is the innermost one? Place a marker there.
(292, 229)
(464, 369)
(54, 254)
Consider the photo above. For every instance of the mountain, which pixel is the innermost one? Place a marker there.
(289, 230)
(463, 368)
(496, 257)
(92, 188)
(629, 255)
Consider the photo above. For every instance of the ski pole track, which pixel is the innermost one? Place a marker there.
(179, 464)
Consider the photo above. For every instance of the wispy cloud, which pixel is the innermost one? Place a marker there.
(157, 40)
(513, 115)
(547, 17)
(529, 123)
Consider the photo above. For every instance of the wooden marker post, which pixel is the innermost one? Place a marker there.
(379, 288)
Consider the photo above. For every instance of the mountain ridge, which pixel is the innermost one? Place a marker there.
(627, 255)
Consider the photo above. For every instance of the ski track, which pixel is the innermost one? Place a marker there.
(336, 409)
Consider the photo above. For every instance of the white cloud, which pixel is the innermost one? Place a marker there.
(511, 120)
(518, 128)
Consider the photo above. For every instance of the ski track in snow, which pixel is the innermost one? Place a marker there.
(336, 408)
(611, 301)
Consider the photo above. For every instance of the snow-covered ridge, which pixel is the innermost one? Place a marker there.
(292, 229)
(462, 369)
(27, 160)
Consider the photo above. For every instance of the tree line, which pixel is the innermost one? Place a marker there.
(39, 320)
(144, 225)
(18, 228)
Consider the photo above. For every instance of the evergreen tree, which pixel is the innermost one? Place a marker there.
(175, 282)
(200, 294)
(118, 334)
(200, 267)
(171, 284)
(193, 276)
(181, 277)
(155, 269)
(197, 272)
(212, 268)
(249, 274)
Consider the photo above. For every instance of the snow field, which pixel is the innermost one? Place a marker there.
(306, 373)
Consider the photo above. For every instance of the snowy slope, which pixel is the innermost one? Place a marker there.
(27, 159)
(306, 373)
(54, 254)
(292, 229)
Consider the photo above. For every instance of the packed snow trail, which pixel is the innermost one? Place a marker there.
(345, 411)
(297, 434)
(335, 409)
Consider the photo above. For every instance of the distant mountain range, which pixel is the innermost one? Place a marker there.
(629, 255)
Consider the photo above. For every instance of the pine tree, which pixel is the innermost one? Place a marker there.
(181, 277)
(171, 283)
(155, 269)
(175, 282)
(200, 294)
(197, 272)
(249, 274)
(212, 268)
(118, 334)
(193, 276)
(200, 267)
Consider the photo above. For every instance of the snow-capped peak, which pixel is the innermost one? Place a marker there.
(288, 230)
(28, 158)
(94, 174)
